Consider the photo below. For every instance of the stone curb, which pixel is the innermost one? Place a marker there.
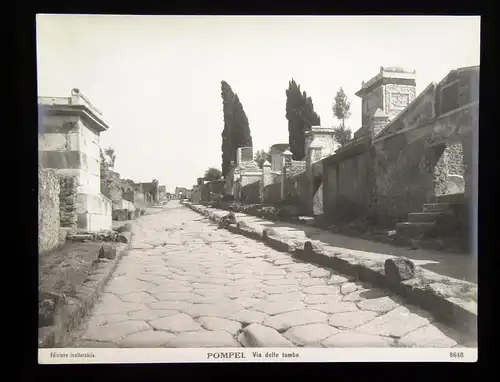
(451, 311)
(74, 311)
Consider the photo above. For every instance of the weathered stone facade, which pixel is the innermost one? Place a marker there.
(392, 167)
(67, 201)
(48, 210)
(69, 134)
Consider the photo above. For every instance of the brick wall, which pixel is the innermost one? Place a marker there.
(67, 201)
(48, 210)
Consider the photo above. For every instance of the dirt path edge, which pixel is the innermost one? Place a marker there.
(73, 310)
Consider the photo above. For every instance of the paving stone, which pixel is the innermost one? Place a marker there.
(256, 335)
(215, 323)
(381, 305)
(173, 287)
(279, 289)
(362, 294)
(221, 310)
(103, 319)
(141, 246)
(320, 272)
(175, 296)
(320, 289)
(170, 305)
(311, 334)
(292, 296)
(146, 339)
(284, 261)
(351, 319)
(396, 323)
(149, 314)
(248, 316)
(283, 321)
(277, 307)
(114, 331)
(347, 288)
(352, 339)
(312, 281)
(126, 285)
(109, 304)
(428, 336)
(335, 307)
(206, 339)
(180, 322)
(140, 297)
(154, 279)
(322, 298)
(338, 279)
(246, 302)
(281, 282)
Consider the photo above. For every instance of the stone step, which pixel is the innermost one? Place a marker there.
(416, 230)
(418, 217)
(458, 198)
(436, 207)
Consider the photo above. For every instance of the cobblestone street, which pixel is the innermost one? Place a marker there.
(185, 283)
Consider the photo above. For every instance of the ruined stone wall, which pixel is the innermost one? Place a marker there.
(450, 163)
(250, 193)
(348, 185)
(48, 210)
(297, 190)
(404, 176)
(67, 201)
(272, 193)
(296, 167)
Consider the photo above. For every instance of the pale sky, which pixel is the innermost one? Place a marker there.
(156, 79)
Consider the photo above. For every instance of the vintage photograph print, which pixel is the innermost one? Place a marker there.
(257, 188)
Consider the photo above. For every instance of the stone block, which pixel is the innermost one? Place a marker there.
(124, 237)
(399, 269)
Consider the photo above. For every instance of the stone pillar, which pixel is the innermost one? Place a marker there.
(286, 160)
(266, 179)
(378, 122)
(238, 156)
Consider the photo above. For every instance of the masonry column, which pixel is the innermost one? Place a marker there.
(265, 180)
(286, 161)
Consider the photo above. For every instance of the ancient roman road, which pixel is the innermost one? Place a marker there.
(186, 283)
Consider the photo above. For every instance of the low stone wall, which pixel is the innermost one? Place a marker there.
(348, 184)
(67, 201)
(251, 193)
(297, 191)
(48, 210)
(272, 193)
(404, 177)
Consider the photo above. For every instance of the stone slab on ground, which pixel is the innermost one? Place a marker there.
(455, 304)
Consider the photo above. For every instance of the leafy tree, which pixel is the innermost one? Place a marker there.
(301, 116)
(107, 164)
(342, 111)
(236, 132)
(261, 156)
(212, 173)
